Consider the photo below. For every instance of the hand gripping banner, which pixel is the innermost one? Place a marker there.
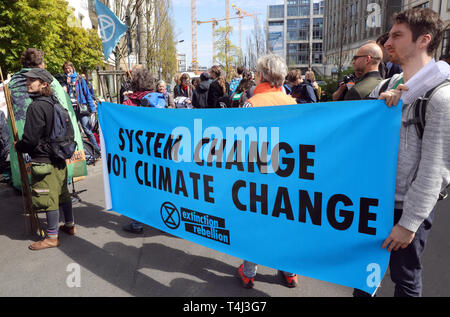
(307, 189)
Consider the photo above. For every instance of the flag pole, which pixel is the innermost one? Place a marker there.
(31, 218)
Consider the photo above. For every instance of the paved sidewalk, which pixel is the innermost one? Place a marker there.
(112, 262)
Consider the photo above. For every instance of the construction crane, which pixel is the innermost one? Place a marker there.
(194, 35)
(241, 13)
(214, 22)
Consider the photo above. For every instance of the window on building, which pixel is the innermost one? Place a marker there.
(318, 29)
(276, 11)
(303, 29)
(423, 5)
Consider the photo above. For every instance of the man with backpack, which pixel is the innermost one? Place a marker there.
(423, 166)
(48, 138)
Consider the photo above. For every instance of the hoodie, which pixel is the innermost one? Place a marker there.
(423, 166)
(200, 95)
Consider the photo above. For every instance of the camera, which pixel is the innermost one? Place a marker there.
(349, 78)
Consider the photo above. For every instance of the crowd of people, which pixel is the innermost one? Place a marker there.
(381, 70)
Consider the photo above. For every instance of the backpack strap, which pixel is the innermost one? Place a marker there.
(420, 109)
(385, 86)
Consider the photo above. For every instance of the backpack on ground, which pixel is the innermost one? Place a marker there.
(61, 142)
(419, 108)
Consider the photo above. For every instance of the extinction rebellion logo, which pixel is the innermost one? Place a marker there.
(195, 222)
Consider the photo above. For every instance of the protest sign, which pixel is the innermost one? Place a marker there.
(307, 189)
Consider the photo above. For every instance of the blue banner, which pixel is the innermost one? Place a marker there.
(307, 189)
(111, 29)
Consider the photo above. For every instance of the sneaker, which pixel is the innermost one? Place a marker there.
(69, 230)
(246, 282)
(291, 281)
(133, 228)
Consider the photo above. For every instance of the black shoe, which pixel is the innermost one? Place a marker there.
(133, 228)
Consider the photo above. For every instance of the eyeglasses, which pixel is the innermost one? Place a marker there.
(358, 56)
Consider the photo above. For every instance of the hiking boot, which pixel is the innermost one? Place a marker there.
(245, 281)
(291, 281)
(69, 230)
(44, 244)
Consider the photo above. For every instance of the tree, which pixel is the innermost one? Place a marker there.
(43, 24)
(150, 23)
(161, 50)
(224, 46)
(256, 45)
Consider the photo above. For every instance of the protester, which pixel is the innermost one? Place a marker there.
(387, 69)
(30, 58)
(48, 173)
(125, 88)
(243, 91)
(237, 77)
(184, 89)
(200, 94)
(305, 93)
(309, 75)
(195, 81)
(347, 82)
(168, 98)
(270, 74)
(82, 101)
(91, 89)
(218, 89)
(293, 80)
(365, 62)
(142, 83)
(423, 166)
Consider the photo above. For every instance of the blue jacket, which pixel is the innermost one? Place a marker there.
(82, 93)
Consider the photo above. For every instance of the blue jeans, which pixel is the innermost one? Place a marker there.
(84, 120)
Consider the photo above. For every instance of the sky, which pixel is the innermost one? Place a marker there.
(206, 10)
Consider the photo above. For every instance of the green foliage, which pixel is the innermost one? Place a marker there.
(224, 45)
(42, 24)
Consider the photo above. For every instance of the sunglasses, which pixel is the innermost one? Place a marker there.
(358, 56)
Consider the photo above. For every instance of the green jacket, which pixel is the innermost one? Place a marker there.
(362, 89)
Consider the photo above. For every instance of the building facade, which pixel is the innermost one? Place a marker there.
(351, 23)
(295, 31)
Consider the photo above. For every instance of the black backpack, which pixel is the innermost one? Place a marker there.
(419, 106)
(61, 142)
(420, 109)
